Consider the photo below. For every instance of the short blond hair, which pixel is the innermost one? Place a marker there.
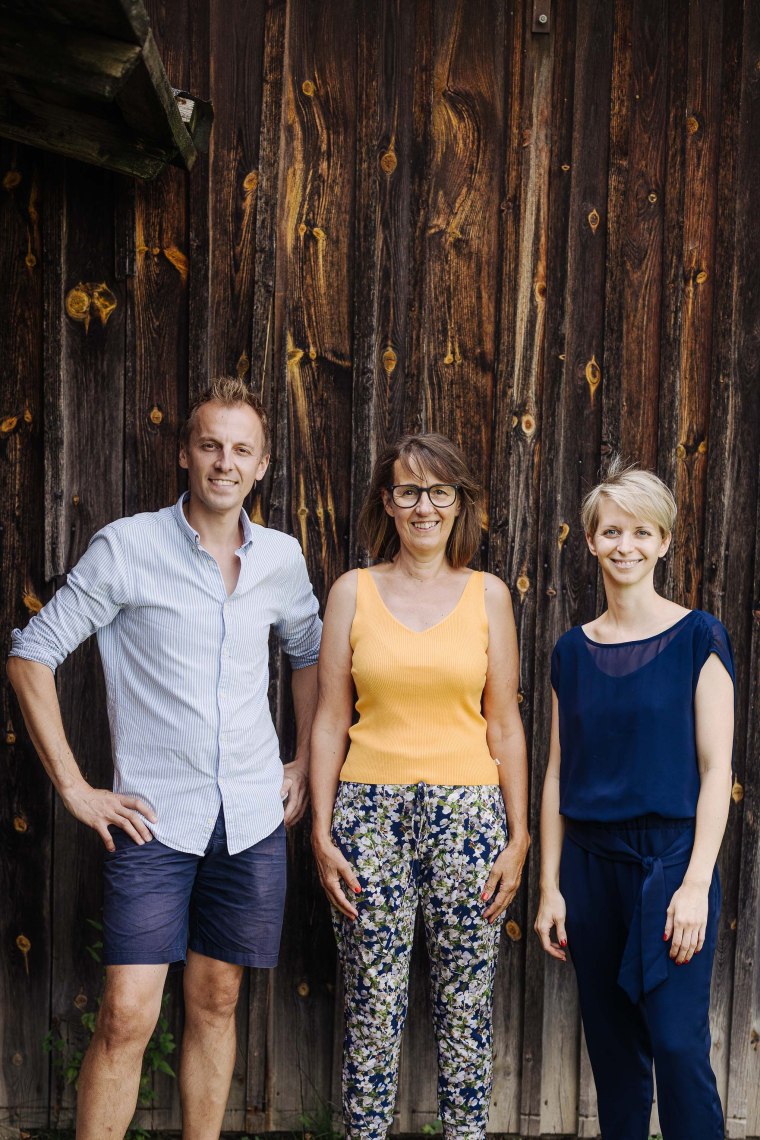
(230, 391)
(635, 490)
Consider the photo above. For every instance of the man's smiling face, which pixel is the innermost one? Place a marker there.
(224, 456)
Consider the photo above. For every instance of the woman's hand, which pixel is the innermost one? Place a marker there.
(687, 921)
(503, 882)
(552, 913)
(334, 867)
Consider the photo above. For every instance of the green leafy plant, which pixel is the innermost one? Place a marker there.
(317, 1124)
(67, 1062)
(433, 1129)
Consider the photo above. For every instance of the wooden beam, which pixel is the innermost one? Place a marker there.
(146, 100)
(68, 59)
(75, 134)
(121, 19)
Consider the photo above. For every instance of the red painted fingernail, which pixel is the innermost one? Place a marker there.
(563, 943)
(484, 895)
(664, 937)
(357, 890)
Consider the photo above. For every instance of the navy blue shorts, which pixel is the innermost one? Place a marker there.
(158, 902)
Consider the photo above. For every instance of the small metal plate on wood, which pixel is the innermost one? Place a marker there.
(542, 10)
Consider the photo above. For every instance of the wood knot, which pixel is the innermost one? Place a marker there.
(17, 1060)
(19, 823)
(680, 451)
(80, 1001)
(702, 448)
(88, 299)
(652, 197)
(243, 366)
(513, 930)
(594, 220)
(692, 125)
(319, 234)
(302, 230)
(389, 162)
(24, 946)
(701, 277)
(562, 534)
(593, 375)
(8, 424)
(550, 592)
(523, 585)
(302, 989)
(515, 421)
(31, 601)
(251, 181)
(75, 500)
(390, 360)
(539, 290)
(30, 260)
(11, 180)
(295, 355)
(565, 167)
(528, 425)
(312, 353)
(156, 415)
(10, 736)
(178, 259)
(737, 792)
(308, 87)
(27, 414)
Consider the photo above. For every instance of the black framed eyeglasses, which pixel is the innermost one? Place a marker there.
(408, 494)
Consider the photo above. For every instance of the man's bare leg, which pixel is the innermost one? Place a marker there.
(208, 1044)
(110, 1078)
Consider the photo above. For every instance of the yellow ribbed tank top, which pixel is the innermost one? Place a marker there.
(419, 694)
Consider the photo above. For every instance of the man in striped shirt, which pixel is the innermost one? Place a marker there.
(182, 601)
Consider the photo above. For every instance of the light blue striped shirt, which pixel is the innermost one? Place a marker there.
(186, 667)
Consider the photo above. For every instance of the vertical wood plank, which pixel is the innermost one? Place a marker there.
(634, 251)
(558, 212)
(25, 802)
(732, 578)
(237, 33)
(313, 358)
(514, 462)
(386, 158)
(683, 458)
(92, 400)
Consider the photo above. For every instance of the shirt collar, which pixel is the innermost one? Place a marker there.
(192, 534)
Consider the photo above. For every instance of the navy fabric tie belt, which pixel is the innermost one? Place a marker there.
(644, 964)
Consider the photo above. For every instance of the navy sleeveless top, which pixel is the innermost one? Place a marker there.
(626, 720)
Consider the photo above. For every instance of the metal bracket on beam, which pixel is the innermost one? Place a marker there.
(542, 10)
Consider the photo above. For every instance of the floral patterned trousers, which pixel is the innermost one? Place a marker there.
(432, 845)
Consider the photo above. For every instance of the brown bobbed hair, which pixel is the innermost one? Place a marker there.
(447, 464)
(230, 391)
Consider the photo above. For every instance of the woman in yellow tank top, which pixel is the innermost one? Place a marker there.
(411, 801)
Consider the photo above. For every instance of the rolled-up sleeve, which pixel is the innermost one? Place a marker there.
(299, 627)
(95, 590)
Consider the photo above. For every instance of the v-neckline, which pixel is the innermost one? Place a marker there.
(419, 632)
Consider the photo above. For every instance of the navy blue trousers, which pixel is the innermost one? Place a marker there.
(667, 1025)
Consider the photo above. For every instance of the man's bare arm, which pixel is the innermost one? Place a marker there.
(34, 684)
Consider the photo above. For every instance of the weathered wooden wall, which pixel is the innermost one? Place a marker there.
(413, 214)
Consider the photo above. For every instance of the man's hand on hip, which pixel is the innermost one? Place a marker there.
(294, 791)
(99, 809)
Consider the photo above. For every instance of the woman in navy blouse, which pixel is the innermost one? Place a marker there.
(634, 808)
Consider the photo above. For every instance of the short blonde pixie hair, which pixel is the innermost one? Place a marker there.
(634, 490)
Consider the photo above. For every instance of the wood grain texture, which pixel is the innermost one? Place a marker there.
(92, 373)
(237, 32)
(634, 248)
(413, 215)
(25, 801)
